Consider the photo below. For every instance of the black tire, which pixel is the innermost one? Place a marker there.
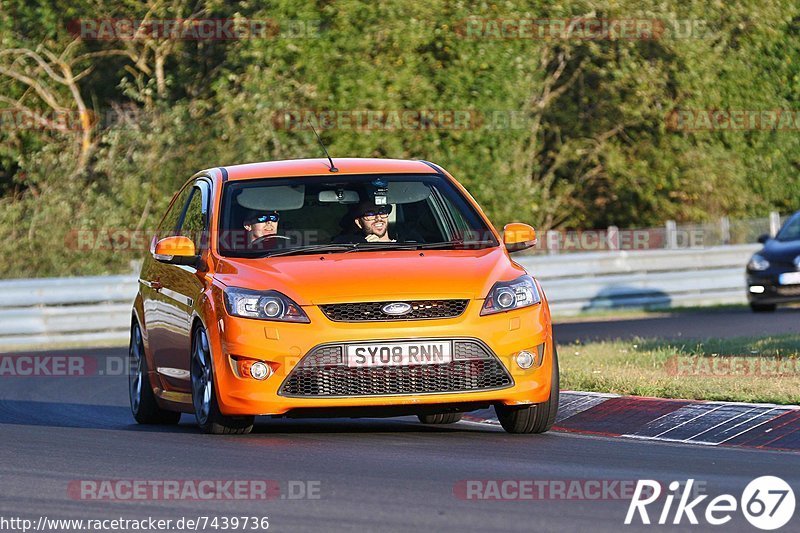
(144, 407)
(536, 418)
(204, 393)
(440, 418)
(763, 308)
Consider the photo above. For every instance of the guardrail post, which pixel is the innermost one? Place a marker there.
(774, 223)
(725, 230)
(551, 241)
(612, 238)
(136, 266)
(672, 235)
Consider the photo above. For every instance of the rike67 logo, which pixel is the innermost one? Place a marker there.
(767, 503)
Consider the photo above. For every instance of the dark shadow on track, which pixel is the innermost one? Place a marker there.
(87, 416)
(73, 415)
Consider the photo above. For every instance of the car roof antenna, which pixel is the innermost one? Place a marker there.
(333, 167)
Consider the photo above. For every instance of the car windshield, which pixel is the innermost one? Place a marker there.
(277, 216)
(791, 230)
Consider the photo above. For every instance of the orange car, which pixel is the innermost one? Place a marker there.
(378, 288)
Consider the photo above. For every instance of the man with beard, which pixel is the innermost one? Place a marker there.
(371, 224)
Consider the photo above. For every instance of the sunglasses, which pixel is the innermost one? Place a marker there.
(273, 217)
(372, 213)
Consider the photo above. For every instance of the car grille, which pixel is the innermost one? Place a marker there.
(323, 373)
(371, 311)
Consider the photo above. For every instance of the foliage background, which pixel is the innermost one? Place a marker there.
(594, 148)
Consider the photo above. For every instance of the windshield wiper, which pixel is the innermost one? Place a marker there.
(311, 249)
(373, 246)
(345, 247)
(453, 244)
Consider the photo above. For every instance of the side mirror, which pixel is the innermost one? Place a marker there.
(177, 250)
(764, 238)
(518, 236)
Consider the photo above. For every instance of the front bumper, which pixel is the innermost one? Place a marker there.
(774, 292)
(283, 345)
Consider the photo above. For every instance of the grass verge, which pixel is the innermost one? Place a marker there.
(745, 369)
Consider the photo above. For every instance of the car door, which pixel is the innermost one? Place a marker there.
(175, 289)
(156, 308)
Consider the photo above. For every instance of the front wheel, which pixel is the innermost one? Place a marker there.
(204, 397)
(536, 418)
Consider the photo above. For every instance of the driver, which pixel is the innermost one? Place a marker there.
(260, 225)
(373, 221)
(370, 224)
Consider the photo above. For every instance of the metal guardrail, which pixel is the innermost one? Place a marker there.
(41, 312)
(656, 278)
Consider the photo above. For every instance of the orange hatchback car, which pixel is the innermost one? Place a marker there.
(299, 289)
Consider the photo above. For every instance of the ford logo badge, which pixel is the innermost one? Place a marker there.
(396, 309)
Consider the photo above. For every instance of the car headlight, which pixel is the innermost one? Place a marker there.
(757, 262)
(263, 305)
(508, 295)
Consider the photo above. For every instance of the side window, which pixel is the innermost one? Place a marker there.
(193, 225)
(170, 222)
(458, 218)
(462, 218)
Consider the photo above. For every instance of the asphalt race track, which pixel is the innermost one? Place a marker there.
(370, 474)
(685, 325)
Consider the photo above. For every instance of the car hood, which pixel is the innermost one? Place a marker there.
(373, 276)
(775, 250)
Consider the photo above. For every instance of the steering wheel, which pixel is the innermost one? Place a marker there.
(265, 238)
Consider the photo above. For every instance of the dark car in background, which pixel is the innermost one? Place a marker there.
(773, 273)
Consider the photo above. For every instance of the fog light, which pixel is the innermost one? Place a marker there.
(757, 289)
(259, 370)
(524, 359)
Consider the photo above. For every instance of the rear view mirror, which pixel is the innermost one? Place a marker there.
(764, 238)
(177, 250)
(340, 196)
(518, 236)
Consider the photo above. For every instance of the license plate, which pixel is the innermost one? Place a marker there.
(399, 354)
(789, 278)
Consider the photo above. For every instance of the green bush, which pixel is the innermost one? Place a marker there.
(591, 144)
